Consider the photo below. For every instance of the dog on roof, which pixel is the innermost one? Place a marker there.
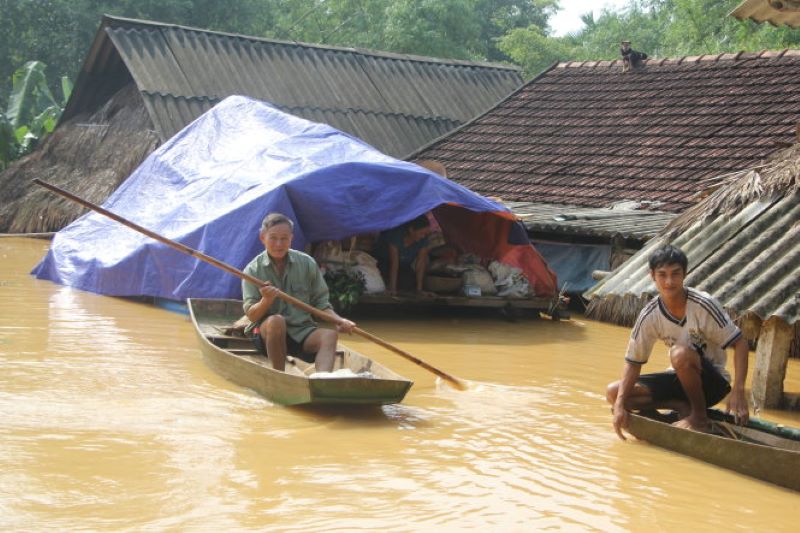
(631, 59)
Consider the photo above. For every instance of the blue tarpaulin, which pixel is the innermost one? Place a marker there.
(210, 186)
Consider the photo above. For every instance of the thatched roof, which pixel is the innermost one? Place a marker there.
(90, 154)
(743, 244)
(778, 176)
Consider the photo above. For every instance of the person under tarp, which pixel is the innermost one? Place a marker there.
(403, 251)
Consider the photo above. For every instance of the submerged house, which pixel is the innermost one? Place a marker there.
(743, 245)
(260, 160)
(597, 161)
(144, 81)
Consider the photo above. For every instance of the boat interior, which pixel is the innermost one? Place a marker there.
(220, 335)
(722, 426)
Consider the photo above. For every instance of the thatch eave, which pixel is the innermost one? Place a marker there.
(778, 176)
(90, 155)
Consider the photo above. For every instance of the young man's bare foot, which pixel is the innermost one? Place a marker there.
(702, 425)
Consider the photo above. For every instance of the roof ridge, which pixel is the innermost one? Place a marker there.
(723, 56)
(109, 20)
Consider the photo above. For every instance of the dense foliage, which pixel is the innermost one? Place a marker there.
(59, 32)
(661, 28)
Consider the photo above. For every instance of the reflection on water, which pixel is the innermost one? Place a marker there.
(110, 420)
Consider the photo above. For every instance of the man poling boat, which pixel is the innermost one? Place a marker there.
(355, 378)
(455, 382)
(276, 326)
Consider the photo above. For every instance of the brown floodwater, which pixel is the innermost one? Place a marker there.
(110, 420)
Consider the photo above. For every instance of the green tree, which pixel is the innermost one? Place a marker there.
(533, 49)
(499, 17)
(466, 29)
(661, 28)
(40, 29)
(59, 32)
(441, 28)
(703, 27)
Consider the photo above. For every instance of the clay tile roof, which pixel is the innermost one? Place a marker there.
(652, 134)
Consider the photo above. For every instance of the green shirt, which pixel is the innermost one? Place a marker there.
(301, 279)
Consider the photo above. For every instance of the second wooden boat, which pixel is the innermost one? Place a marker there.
(761, 449)
(236, 359)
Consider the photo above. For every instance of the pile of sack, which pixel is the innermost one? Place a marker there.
(497, 279)
(330, 256)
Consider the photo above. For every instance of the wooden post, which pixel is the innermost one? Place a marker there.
(772, 355)
(618, 255)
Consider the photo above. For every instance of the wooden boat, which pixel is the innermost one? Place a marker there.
(235, 358)
(761, 449)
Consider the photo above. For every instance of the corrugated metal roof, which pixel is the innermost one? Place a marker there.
(776, 12)
(749, 260)
(170, 114)
(640, 224)
(395, 102)
(584, 133)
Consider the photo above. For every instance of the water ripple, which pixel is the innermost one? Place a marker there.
(110, 420)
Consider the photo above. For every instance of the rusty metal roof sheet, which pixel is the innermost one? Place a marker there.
(749, 260)
(585, 134)
(776, 12)
(395, 102)
(639, 224)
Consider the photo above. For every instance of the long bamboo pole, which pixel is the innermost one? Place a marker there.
(455, 382)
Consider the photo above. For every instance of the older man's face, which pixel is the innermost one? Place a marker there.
(277, 240)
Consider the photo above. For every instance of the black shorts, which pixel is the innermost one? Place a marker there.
(665, 386)
(293, 347)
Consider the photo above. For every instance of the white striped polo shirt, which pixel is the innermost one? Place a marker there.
(706, 327)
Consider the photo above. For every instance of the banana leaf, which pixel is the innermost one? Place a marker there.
(29, 93)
